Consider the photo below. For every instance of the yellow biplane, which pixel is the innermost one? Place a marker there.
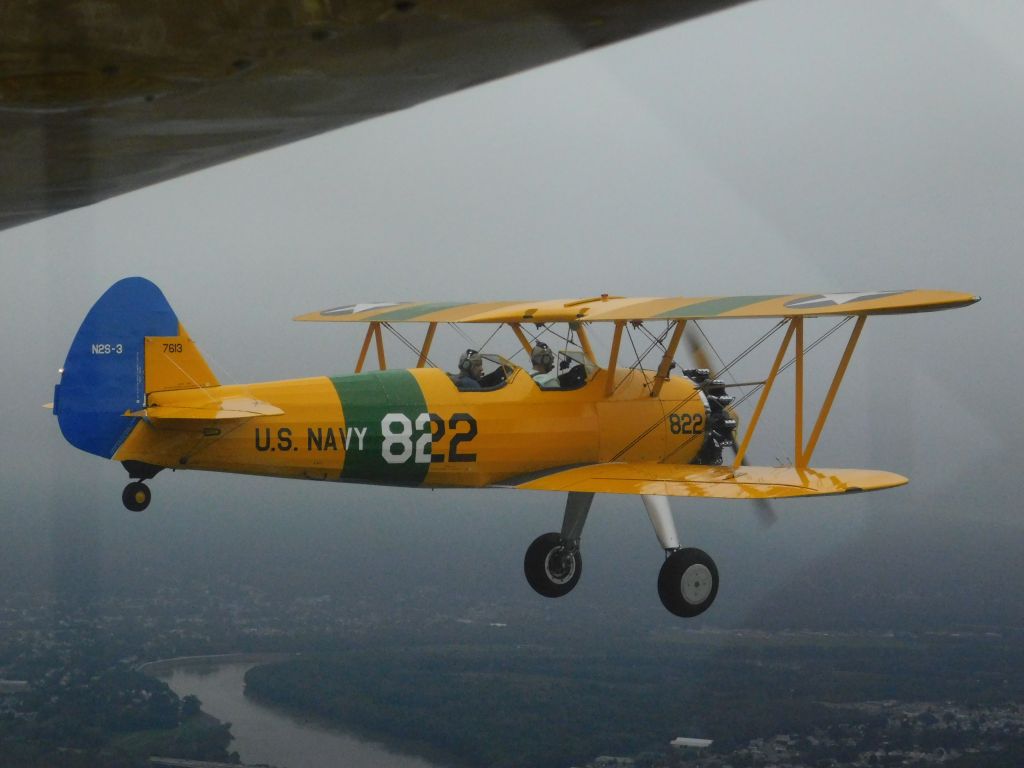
(136, 389)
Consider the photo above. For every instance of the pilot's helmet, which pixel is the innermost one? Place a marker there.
(469, 359)
(542, 356)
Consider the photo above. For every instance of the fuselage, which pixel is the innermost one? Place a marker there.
(414, 427)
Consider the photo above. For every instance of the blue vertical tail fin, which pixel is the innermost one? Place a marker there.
(104, 375)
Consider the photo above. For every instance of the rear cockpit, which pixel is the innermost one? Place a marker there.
(574, 370)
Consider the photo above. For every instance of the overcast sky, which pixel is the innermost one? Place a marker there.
(778, 147)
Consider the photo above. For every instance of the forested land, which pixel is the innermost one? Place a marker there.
(549, 706)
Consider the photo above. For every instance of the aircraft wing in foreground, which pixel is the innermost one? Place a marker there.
(100, 98)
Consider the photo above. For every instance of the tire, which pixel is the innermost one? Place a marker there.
(548, 572)
(136, 496)
(688, 582)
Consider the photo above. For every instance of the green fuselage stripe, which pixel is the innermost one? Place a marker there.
(366, 399)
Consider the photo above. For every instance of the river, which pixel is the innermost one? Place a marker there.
(265, 735)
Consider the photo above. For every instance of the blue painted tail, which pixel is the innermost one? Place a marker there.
(104, 375)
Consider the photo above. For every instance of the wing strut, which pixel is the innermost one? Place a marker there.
(425, 351)
(805, 458)
(374, 332)
(518, 331)
(666, 359)
(613, 358)
(366, 346)
(803, 454)
(585, 343)
(378, 335)
(738, 461)
(798, 410)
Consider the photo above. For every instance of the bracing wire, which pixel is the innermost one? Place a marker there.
(488, 340)
(707, 340)
(764, 337)
(639, 358)
(408, 344)
(231, 378)
(458, 329)
(658, 340)
(191, 378)
(636, 366)
(792, 360)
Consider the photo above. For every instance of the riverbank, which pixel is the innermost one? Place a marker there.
(162, 667)
(270, 734)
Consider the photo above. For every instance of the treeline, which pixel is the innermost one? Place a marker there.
(506, 705)
(494, 712)
(195, 740)
(84, 714)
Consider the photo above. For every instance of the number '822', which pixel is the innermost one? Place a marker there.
(686, 423)
(400, 444)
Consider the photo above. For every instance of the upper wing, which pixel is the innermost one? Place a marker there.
(711, 482)
(608, 308)
(102, 98)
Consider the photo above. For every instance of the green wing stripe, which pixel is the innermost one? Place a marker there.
(714, 307)
(366, 399)
(416, 310)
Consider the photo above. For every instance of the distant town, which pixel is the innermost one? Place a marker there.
(898, 734)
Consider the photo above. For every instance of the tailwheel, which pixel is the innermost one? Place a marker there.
(688, 582)
(553, 565)
(136, 496)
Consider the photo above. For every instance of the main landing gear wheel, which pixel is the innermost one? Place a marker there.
(552, 566)
(136, 496)
(688, 582)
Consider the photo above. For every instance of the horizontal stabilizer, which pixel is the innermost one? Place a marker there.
(712, 482)
(214, 410)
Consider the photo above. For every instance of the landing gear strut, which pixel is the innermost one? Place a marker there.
(553, 563)
(688, 581)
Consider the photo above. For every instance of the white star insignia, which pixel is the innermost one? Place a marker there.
(836, 299)
(355, 309)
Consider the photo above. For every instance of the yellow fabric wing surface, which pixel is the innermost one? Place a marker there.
(611, 308)
(712, 482)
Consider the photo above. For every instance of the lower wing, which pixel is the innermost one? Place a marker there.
(722, 482)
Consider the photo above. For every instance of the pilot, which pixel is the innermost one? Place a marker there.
(544, 372)
(471, 370)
